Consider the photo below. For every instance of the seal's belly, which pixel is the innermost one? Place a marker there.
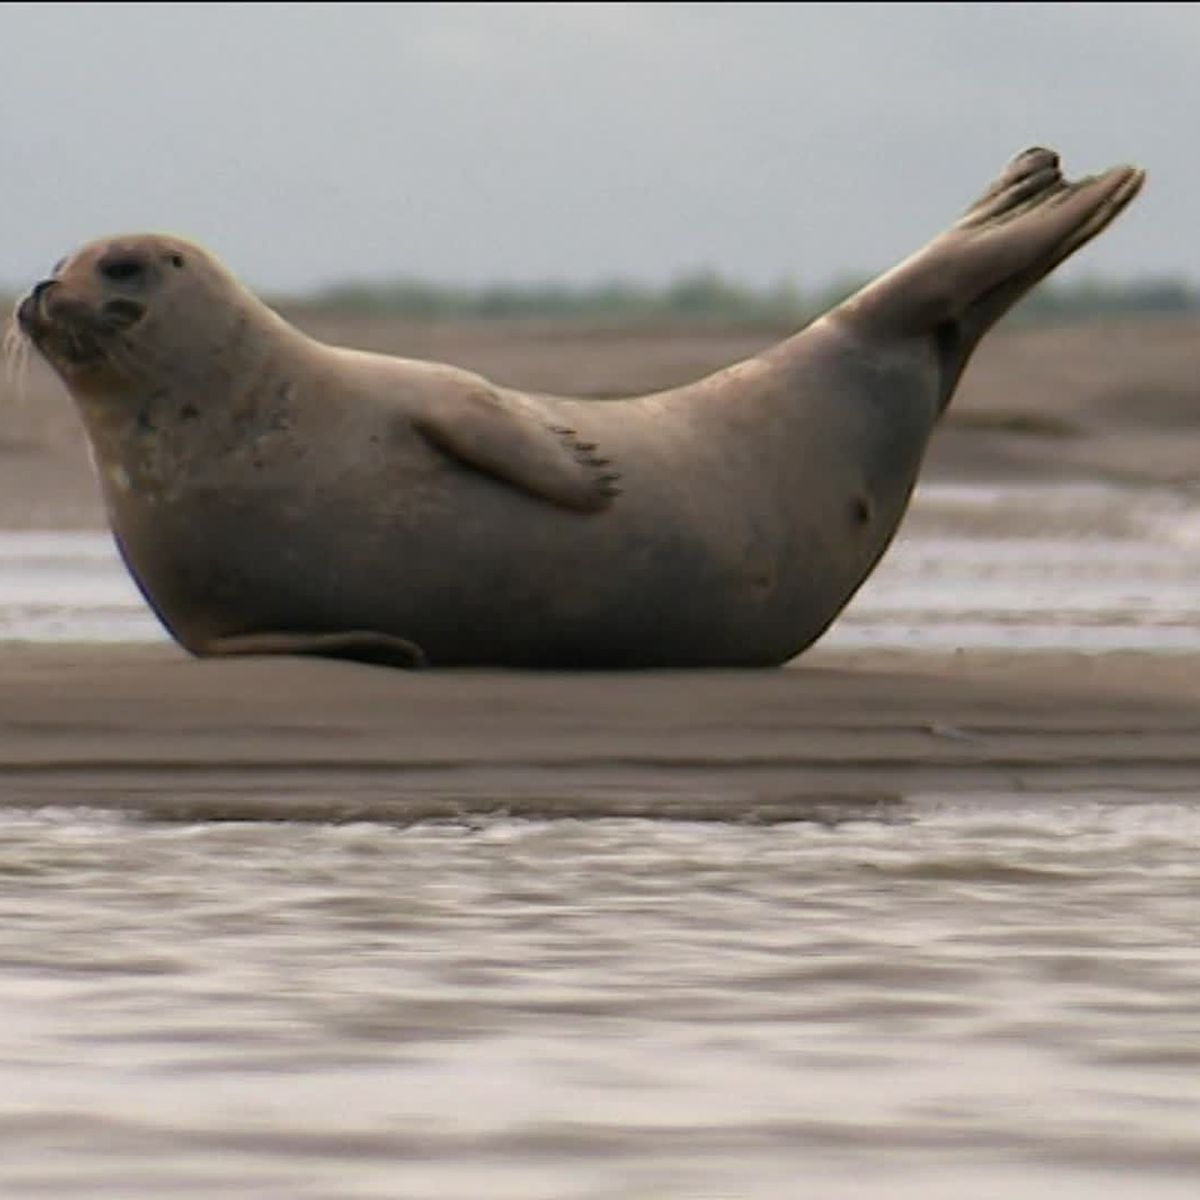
(492, 577)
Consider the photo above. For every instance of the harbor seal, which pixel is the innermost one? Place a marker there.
(272, 494)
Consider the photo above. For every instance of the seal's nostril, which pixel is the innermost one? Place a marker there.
(30, 310)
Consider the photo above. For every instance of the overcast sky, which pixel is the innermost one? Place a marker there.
(311, 143)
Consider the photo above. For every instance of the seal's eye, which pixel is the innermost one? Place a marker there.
(176, 260)
(123, 268)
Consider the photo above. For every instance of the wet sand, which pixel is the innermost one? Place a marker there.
(835, 735)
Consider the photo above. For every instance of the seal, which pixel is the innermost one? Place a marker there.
(274, 495)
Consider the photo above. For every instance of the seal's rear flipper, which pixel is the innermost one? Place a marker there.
(491, 434)
(379, 649)
(1027, 222)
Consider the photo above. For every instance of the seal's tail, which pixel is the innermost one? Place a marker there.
(1027, 222)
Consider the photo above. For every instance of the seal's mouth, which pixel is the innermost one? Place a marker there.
(71, 331)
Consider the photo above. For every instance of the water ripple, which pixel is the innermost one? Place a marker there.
(602, 1008)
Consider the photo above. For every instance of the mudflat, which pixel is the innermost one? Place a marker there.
(834, 736)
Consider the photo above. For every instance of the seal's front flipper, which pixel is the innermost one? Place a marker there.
(379, 649)
(504, 439)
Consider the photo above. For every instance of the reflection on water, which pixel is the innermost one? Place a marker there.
(969, 998)
(1082, 568)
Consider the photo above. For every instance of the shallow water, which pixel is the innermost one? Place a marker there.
(1078, 568)
(973, 997)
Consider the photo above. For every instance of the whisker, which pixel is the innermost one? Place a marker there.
(14, 350)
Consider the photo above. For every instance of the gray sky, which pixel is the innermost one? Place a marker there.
(308, 143)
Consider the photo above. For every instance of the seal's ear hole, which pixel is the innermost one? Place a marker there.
(176, 260)
(121, 268)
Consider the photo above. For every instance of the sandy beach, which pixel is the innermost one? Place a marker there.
(148, 728)
(835, 736)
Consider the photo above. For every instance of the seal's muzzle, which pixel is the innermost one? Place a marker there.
(29, 314)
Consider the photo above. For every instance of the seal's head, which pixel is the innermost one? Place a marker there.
(121, 309)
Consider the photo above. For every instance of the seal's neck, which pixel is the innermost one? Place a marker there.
(171, 411)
